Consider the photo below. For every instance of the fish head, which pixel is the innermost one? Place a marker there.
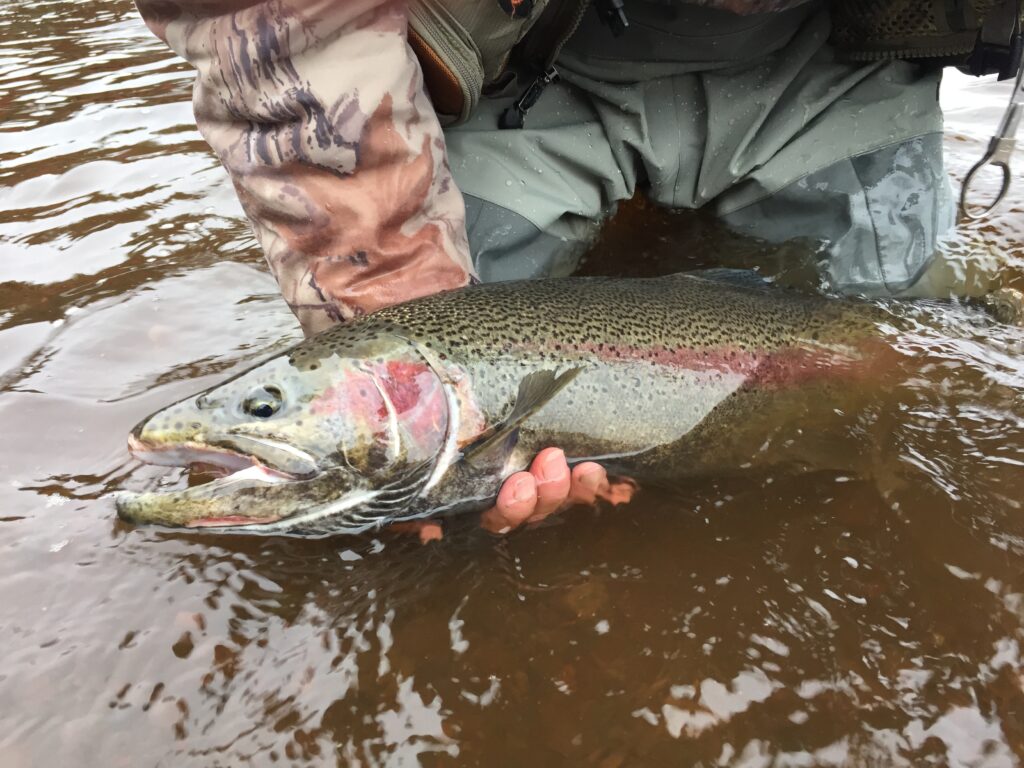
(306, 441)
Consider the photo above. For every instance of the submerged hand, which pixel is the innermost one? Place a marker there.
(528, 497)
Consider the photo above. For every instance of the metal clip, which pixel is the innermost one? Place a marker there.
(999, 154)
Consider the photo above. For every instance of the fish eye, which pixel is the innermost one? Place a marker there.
(263, 402)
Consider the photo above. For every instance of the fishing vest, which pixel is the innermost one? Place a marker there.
(465, 47)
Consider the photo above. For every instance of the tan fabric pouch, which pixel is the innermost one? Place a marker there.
(464, 45)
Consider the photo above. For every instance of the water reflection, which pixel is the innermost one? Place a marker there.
(828, 618)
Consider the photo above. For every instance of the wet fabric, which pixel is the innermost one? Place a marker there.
(703, 108)
(874, 218)
(508, 246)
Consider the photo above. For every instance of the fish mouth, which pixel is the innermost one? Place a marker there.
(253, 494)
(231, 470)
(193, 455)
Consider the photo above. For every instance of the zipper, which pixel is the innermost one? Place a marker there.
(570, 30)
(937, 52)
(515, 116)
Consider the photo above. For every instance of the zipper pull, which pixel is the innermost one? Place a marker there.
(612, 13)
(515, 116)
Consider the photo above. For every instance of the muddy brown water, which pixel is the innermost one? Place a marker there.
(826, 619)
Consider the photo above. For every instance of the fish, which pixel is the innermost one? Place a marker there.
(421, 409)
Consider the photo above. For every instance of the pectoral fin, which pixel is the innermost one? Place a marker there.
(535, 390)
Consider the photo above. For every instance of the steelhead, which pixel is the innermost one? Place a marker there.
(423, 408)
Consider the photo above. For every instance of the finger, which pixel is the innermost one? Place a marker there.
(588, 481)
(551, 472)
(427, 530)
(430, 531)
(621, 490)
(516, 502)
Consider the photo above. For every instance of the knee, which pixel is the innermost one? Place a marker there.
(507, 246)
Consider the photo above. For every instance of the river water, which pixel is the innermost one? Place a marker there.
(827, 619)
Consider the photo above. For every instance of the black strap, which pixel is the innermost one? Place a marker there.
(1000, 44)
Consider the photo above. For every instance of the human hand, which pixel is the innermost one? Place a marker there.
(550, 486)
(528, 497)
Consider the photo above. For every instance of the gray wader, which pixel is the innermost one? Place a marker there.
(752, 116)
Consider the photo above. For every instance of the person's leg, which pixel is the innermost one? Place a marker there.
(850, 165)
(535, 197)
(505, 245)
(786, 141)
(757, 118)
(872, 221)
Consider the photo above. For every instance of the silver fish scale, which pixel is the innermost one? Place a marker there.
(644, 385)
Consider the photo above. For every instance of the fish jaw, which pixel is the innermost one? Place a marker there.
(232, 500)
(254, 500)
(227, 447)
(188, 453)
(251, 498)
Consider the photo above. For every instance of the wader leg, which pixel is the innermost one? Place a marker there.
(535, 197)
(788, 141)
(508, 246)
(875, 219)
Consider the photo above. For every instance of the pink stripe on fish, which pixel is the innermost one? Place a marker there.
(785, 366)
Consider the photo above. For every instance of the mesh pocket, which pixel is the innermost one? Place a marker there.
(906, 29)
